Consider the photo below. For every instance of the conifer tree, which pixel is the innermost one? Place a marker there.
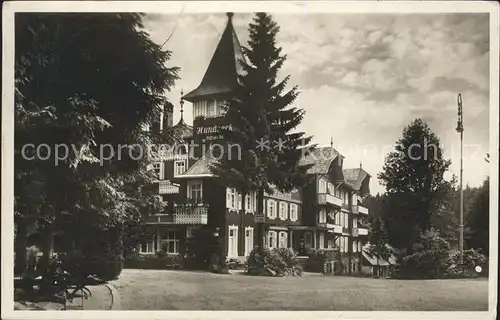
(263, 121)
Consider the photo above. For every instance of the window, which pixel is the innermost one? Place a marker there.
(179, 167)
(194, 190)
(337, 219)
(158, 168)
(330, 243)
(232, 198)
(321, 240)
(271, 209)
(346, 220)
(346, 244)
(354, 199)
(346, 197)
(211, 108)
(354, 246)
(250, 201)
(283, 243)
(354, 222)
(248, 240)
(232, 243)
(341, 244)
(337, 242)
(147, 247)
(341, 218)
(331, 189)
(222, 107)
(360, 246)
(271, 239)
(283, 210)
(322, 216)
(322, 186)
(170, 242)
(294, 212)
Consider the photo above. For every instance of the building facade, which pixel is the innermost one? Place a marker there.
(325, 214)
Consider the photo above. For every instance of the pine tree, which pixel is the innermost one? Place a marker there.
(265, 122)
(478, 219)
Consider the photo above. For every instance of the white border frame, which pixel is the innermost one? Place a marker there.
(292, 7)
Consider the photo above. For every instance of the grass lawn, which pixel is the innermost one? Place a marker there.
(186, 290)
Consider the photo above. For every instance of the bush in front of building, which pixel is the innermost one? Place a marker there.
(472, 259)
(105, 265)
(277, 262)
(317, 259)
(426, 264)
(160, 260)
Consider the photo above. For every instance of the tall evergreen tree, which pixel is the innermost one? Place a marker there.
(265, 121)
(478, 219)
(413, 177)
(85, 81)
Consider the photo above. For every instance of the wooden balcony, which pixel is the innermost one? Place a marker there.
(328, 199)
(195, 213)
(359, 209)
(362, 210)
(167, 187)
(362, 231)
(164, 218)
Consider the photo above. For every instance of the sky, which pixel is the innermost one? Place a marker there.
(362, 77)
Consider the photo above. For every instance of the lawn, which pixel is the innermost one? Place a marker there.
(185, 290)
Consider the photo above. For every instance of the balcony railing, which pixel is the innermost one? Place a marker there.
(359, 209)
(325, 198)
(335, 228)
(362, 210)
(167, 187)
(362, 231)
(163, 218)
(191, 213)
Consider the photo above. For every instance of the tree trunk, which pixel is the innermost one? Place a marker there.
(260, 211)
(48, 246)
(20, 244)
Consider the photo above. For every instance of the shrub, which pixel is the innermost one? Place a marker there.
(277, 262)
(199, 249)
(160, 260)
(318, 258)
(424, 264)
(472, 258)
(106, 266)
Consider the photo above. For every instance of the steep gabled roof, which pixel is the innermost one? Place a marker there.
(200, 168)
(321, 159)
(221, 75)
(354, 177)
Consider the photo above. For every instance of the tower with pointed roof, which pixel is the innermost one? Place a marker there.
(216, 88)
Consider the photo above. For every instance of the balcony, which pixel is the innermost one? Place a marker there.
(167, 187)
(362, 210)
(192, 213)
(362, 231)
(160, 219)
(359, 209)
(325, 198)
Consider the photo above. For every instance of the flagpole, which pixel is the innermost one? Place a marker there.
(460, 129)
